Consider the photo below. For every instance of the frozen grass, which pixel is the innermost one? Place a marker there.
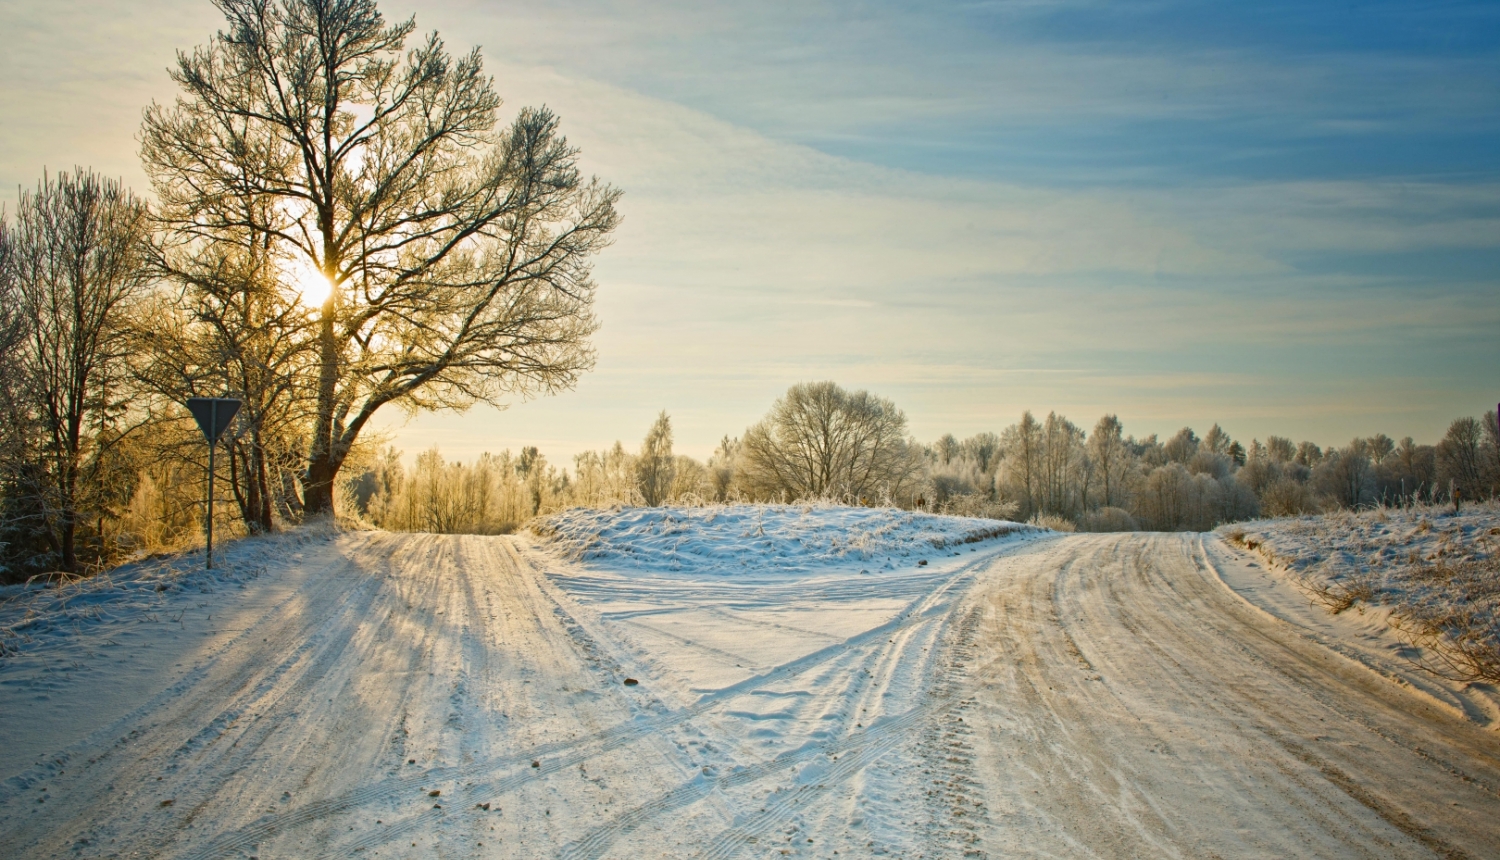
(1436, 571)
(733, 539)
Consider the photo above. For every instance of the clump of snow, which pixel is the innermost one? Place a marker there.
(733, 539)
(1436, 570)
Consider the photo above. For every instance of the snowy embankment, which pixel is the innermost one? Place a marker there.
(1433, 572)
(44, 614)
(76, 655)
(733, 540)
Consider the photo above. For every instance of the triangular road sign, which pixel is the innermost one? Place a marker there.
(213, 414)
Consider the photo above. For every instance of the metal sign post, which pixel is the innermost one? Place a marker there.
(213, 415)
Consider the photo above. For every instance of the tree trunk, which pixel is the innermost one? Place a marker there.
(68, 542)
(262, 479)
(322, 467)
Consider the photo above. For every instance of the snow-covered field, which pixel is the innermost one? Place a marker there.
(1430, 572)
(718, 682)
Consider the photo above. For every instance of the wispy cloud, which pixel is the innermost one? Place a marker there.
(974, 209)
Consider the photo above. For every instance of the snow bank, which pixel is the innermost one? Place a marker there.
(731, 539)
(1437, 572)
(41, 614)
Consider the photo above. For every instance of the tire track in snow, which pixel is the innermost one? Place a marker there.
(957, 814)
(735, 839)
(1125, 675)
(209, 714)
(883, 733)
(1334, 775)
(562, 756)
(342, 628)
(247, 721)
(855, 751)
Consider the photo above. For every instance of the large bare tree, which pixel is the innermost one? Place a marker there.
(458, 255)
(820, 440)
(75, 258)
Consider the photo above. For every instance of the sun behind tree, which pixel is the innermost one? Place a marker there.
(457, 256)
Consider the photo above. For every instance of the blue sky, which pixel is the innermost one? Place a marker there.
(1281, 217)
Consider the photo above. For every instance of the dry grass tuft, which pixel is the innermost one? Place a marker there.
(1460, 622)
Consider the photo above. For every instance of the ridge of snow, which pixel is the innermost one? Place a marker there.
(729, 540)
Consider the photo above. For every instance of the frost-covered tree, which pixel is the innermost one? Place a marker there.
(1461, 459)
(1112, 460)
(946, 448)
(1281, 449)
(983, 449)
(604, 478)
(456, 255)
(1216, 440)
(722, 468)
(1412, 471)
(1308, 454)
(655, 468)
(1064, 472)
(1379, 447)
(1181, 447)
(822, 441)
(1346, 476)
(1021, 466)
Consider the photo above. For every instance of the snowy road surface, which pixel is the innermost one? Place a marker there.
(427, 696)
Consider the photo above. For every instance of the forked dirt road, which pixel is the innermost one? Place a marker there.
(1078, 696)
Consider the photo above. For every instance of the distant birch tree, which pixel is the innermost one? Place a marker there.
(1112, 460)
(1020, 479)
(655, 468)
(1063, 474)
(458, 255)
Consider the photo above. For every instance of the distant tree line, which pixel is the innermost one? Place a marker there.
(821, 442)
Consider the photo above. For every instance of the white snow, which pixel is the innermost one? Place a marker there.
(78, 655)
(1406, 570)
(811, 681)
(758, 540)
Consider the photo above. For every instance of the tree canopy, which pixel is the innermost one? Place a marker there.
(455, 256)
(820, 441)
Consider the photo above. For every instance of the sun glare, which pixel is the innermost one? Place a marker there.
(311, 284)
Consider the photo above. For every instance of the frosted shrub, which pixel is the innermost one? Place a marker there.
(1108, 520)
(1053, 522)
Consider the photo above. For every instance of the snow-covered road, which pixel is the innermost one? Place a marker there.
(428, 696)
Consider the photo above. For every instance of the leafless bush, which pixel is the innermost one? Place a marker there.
(1341, 594)
(978, 505)
(1108, 520)
(1055, 523)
